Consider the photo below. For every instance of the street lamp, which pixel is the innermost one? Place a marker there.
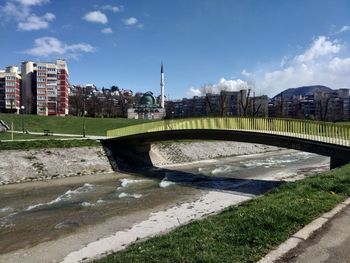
(172, 115)
(22, 109)
(11, 102)
(84, 128)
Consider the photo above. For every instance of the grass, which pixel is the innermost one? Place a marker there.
(67, 124)
(345, 123)
(21, 136)
(247, 232)
(42, 144)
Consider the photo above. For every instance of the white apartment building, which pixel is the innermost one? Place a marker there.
(45, 87)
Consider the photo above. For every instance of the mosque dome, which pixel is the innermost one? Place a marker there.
(148, 99)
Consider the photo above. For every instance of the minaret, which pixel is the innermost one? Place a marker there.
(161, 86)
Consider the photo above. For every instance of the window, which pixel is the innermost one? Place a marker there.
(10, 84)
(10, 90)
(41, 73)
(41, 91)
(41, 85)
(52, 76)
(41, 97)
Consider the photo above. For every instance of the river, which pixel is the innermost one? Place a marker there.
(42, 214)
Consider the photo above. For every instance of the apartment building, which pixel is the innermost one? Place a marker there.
(10, 83)
(45, 87)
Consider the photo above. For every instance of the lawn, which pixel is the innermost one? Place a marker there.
(247, 232)
(24, 136)
(67, 124)
(44, 144)
(346, 123)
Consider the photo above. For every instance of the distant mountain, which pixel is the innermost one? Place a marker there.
(305, 90)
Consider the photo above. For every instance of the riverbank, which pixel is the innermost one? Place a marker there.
(247, 232)
(144, 220)
(180, 153)
(18, 166)
(59, 159)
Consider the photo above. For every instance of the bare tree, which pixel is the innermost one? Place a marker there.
(255, 110)
(222, 102)
(323, 108)
(244, 102)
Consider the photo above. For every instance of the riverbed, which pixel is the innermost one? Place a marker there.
(74, 218)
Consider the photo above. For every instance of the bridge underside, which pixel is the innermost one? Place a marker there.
(134, 149)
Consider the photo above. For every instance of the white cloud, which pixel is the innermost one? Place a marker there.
(321, 47)
(96, 17)
(246, 73)
(114, 9)
(21, 12)
(50, 46)
(32, 2)
(14, 11)
(107, 30)
(322, 63)
(223, 84)
(130, 21)
(34, 22)
(343, 29)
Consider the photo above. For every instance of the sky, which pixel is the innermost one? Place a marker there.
(265, 45)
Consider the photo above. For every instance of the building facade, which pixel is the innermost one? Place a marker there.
(332, 105)
(10, 84)
(45, 87)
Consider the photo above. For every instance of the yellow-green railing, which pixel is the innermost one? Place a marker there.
(310, 130)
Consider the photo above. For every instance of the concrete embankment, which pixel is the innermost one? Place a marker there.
(43, 164)
(168, 154)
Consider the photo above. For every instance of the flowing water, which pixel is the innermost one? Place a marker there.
(37, 212)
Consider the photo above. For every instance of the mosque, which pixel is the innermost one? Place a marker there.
(147, 108)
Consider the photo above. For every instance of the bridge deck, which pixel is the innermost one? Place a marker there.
(309, 130)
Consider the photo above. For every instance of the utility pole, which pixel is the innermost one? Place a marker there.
(11, 102)
(22, 108)
(84, 129)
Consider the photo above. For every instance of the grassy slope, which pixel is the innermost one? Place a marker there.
(43, 144)
(21, 136)
(247, 232)
(67, 124)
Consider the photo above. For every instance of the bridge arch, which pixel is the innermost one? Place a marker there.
(321, 138)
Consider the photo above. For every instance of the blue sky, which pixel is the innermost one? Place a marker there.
(268, 45)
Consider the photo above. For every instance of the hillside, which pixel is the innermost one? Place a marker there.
(305, 90)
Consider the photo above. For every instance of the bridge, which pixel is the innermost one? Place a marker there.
(132, 143)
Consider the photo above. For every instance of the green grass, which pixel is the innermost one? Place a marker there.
(345, 123)
(21, 136)
(247, 232)
(67, 124)
(43, 144)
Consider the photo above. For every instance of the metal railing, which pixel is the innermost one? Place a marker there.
(310, 130)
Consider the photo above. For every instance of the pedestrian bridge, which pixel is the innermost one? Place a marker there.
(317, 137)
